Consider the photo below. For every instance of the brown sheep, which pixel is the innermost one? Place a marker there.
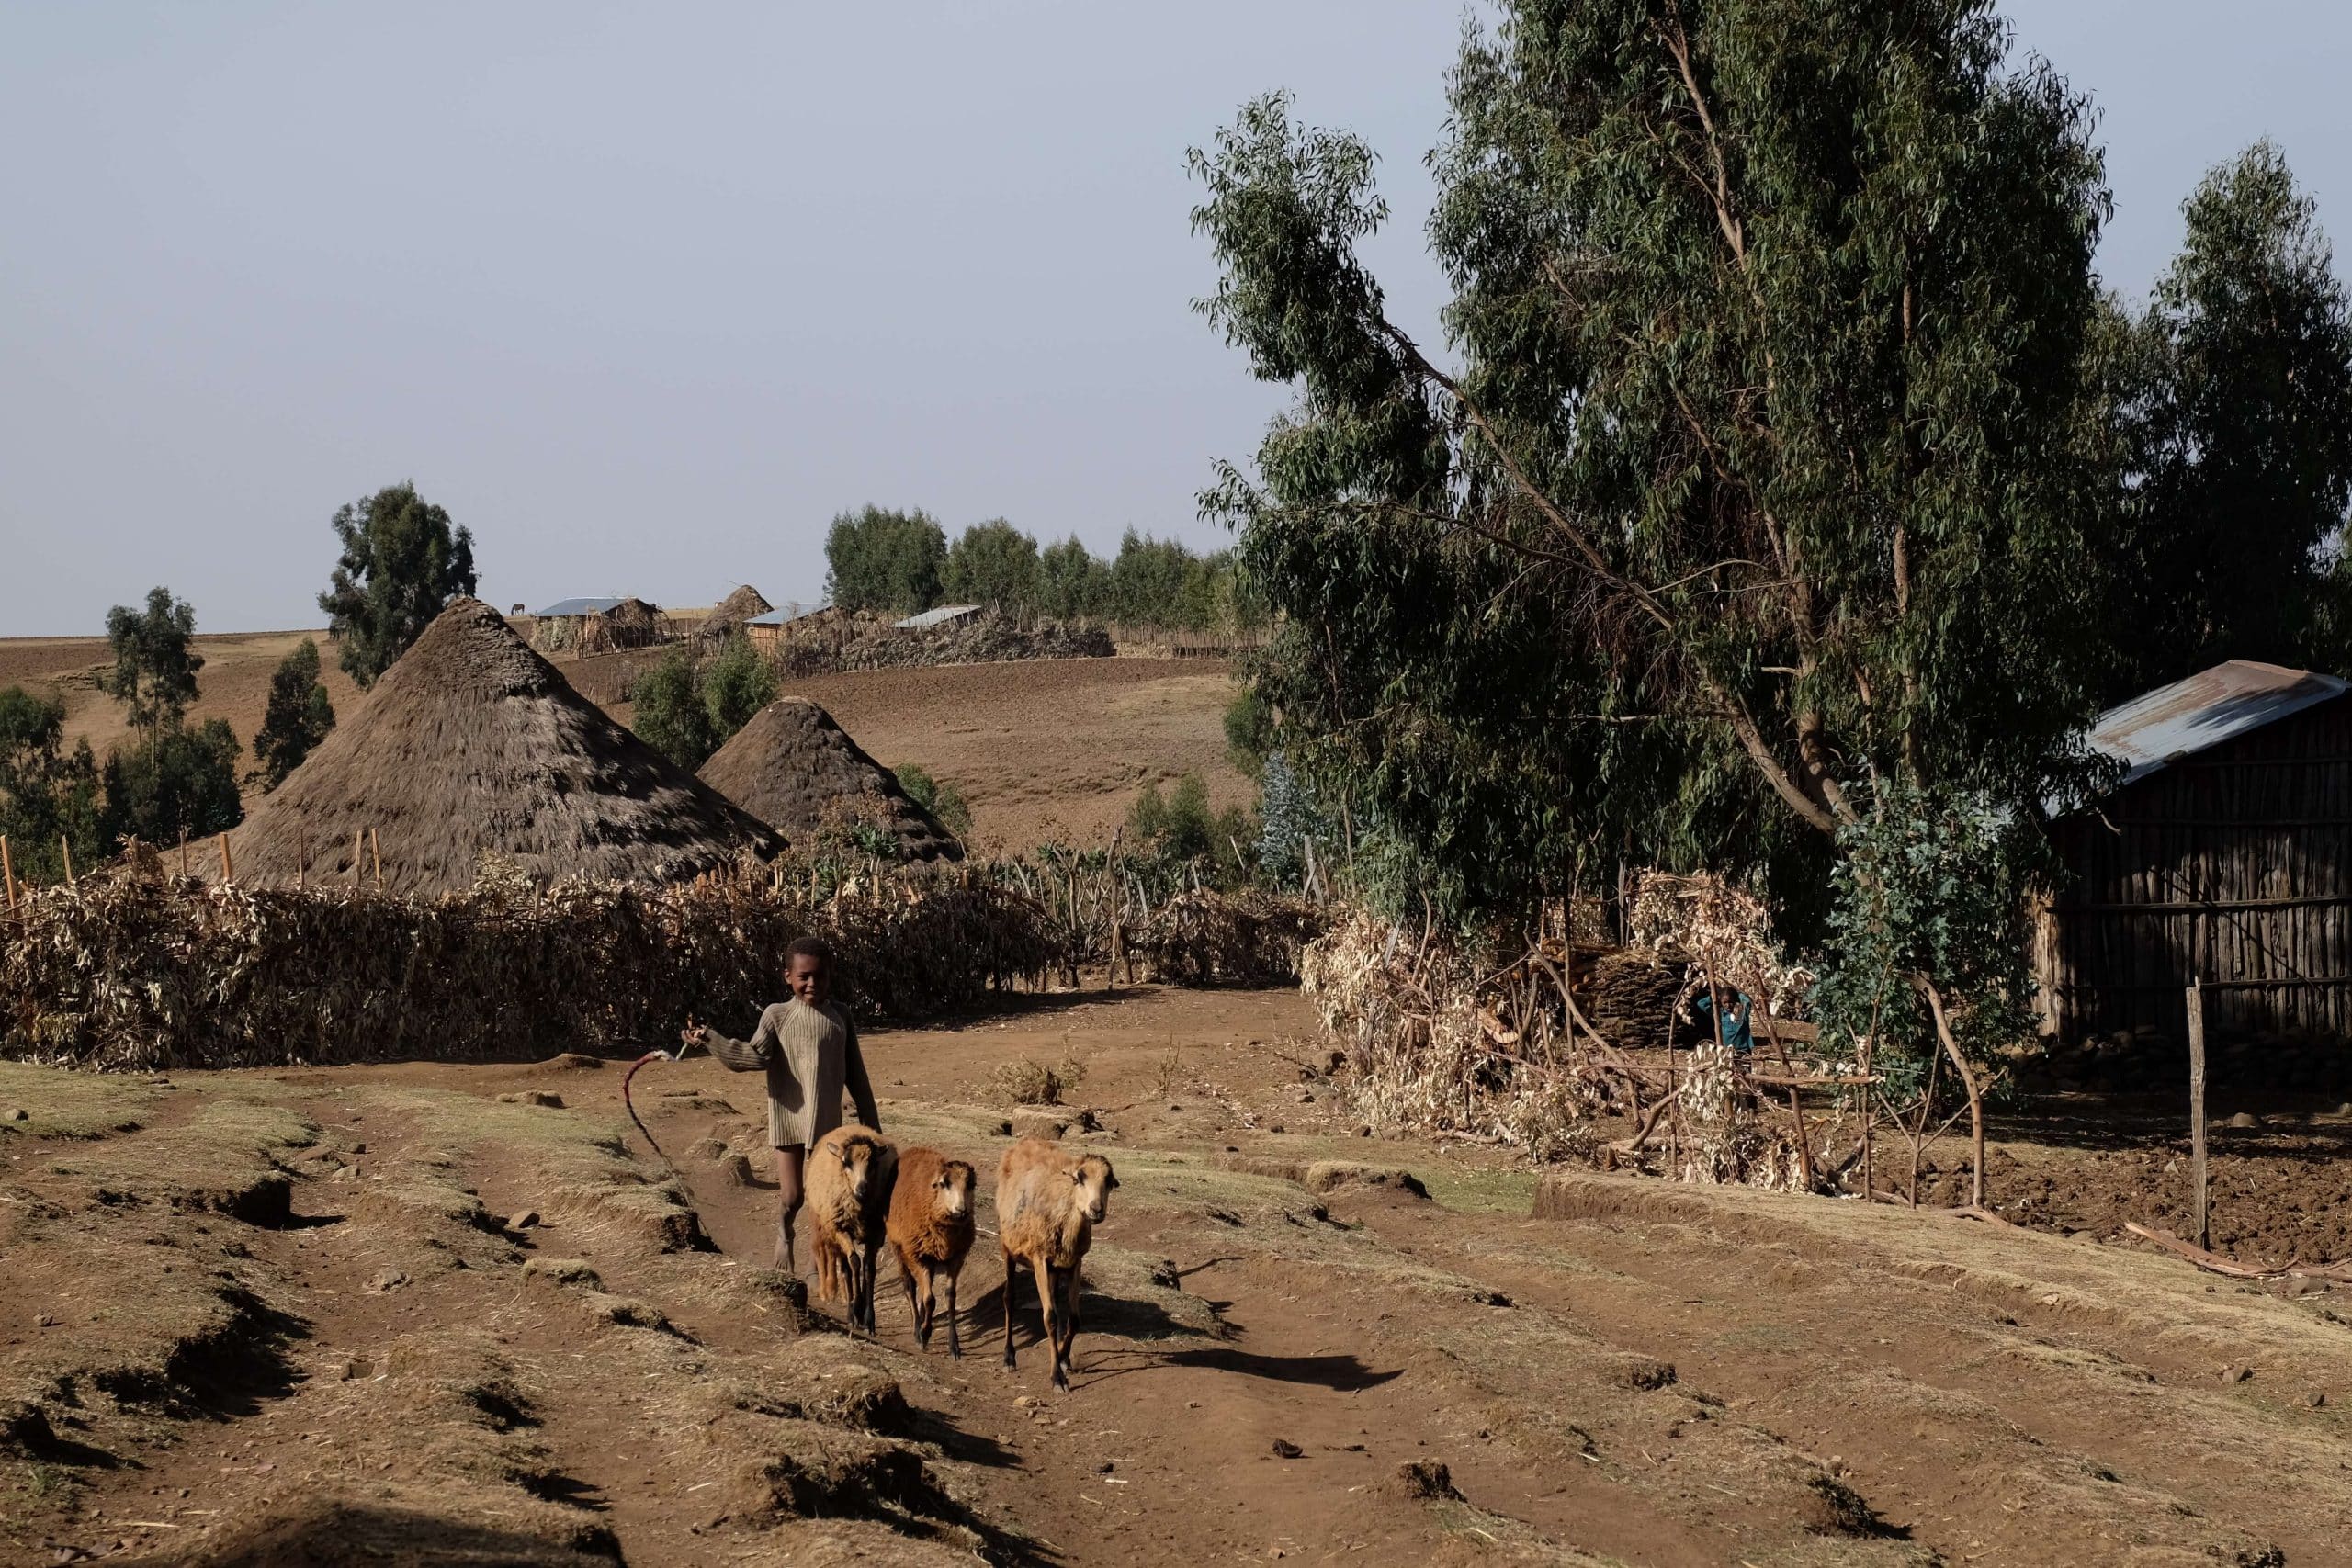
(851, 1172)
(931, 1230)
(1048, 1202)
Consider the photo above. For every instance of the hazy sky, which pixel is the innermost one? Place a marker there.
(646, 294)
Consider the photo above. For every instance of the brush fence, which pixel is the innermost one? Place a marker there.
(134, 974)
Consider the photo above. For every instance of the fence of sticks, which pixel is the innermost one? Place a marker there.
(137, 970)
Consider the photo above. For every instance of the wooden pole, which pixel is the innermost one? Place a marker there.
(228, 872)
(9, 873)
(376, 853)
(65, 848)
(2199, 1226)
(358, 861)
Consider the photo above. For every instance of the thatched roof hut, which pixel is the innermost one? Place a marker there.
(798, 772)
(472, 742)
(727, 616)
(632, 623)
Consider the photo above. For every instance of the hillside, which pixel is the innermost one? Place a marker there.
(1037, 748)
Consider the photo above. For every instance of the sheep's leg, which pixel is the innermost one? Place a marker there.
(1070, 1312)
(1008, 1308)
(954, 1341)
(1048, 1287)
(872, 1278)
(922, 1295)
(914, 1305)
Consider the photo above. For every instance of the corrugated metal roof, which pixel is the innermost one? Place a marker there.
(578, 607)
(787, 615)
(2211, 706)
(938, 617)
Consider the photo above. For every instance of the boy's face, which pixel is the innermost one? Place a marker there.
(810, 979)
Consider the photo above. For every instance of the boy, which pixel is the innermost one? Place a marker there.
(1731, 1007)
(808, 1049)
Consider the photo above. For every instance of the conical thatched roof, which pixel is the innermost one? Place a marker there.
(726, 618)
(798, 772)
(473, 743)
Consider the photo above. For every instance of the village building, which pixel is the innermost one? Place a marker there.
(798, 771)
(2223, 854)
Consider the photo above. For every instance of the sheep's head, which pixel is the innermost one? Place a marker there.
(859, 1159)
(1095, 1181)
(951, 1190)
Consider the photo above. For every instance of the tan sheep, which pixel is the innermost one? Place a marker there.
(851, 1172)
(1048, 1202)
(931, 1231)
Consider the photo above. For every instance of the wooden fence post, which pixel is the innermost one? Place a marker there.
(376, 853)
(9, 873)
(2198, 1225)
(228, 872)
(358, 861)
(65, 848)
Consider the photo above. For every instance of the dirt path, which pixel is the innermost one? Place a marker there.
(400, 1356)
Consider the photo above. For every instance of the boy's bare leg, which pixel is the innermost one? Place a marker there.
(788, 1192)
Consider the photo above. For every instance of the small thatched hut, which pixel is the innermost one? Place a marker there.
(727, 616)
(472, 742)
(632, 623)
(798, 771)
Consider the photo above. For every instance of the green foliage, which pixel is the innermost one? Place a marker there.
(994, 564)
(1290, 814)
(879, 559)
(184, 782)
(671, 716)
(687, 709)
(1768, 462)
(1248, 730)
(2237, 423)
(942, 800)
(48, 796)
(401, 564)
(1178, 829)
(737, 683)
(154, 670)
(296, 718)
(1072, 584)
(1928, 884)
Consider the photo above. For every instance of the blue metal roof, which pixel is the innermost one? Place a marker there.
(2208, 708)
(578, 607)
(938, 617)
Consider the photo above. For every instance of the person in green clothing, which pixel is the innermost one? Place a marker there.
(807, 1047)
(1733, 1008)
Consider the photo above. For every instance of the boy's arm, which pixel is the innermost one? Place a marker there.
(861, 1090)
(744, 1055)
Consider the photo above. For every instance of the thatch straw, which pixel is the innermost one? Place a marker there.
(727, 616)
(798, 772)
(473, 743)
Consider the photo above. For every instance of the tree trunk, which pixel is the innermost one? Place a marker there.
(1967, 1080)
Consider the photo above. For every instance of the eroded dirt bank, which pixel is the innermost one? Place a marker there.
(464, 1313)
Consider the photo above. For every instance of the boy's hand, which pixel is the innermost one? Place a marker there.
(690, 1038)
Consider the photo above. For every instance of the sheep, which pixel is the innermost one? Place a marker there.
(1048, 1202)
(851, 1172)
(931, 1230)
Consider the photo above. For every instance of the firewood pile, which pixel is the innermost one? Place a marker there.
(1206, 937)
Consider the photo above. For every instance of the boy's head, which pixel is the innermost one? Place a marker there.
(809, 970)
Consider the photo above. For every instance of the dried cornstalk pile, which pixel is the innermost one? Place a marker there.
(1201, 937)
(142, 972)
(1439, 1045)
(1430, 1052)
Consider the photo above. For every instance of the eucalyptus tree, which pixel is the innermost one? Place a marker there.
(2237, 418)
(401, 562)
(1763, 462)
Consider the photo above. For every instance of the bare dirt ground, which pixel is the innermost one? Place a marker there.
(1038, 747)
(289, 1317)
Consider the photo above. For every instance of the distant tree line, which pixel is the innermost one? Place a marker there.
(883, 559)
